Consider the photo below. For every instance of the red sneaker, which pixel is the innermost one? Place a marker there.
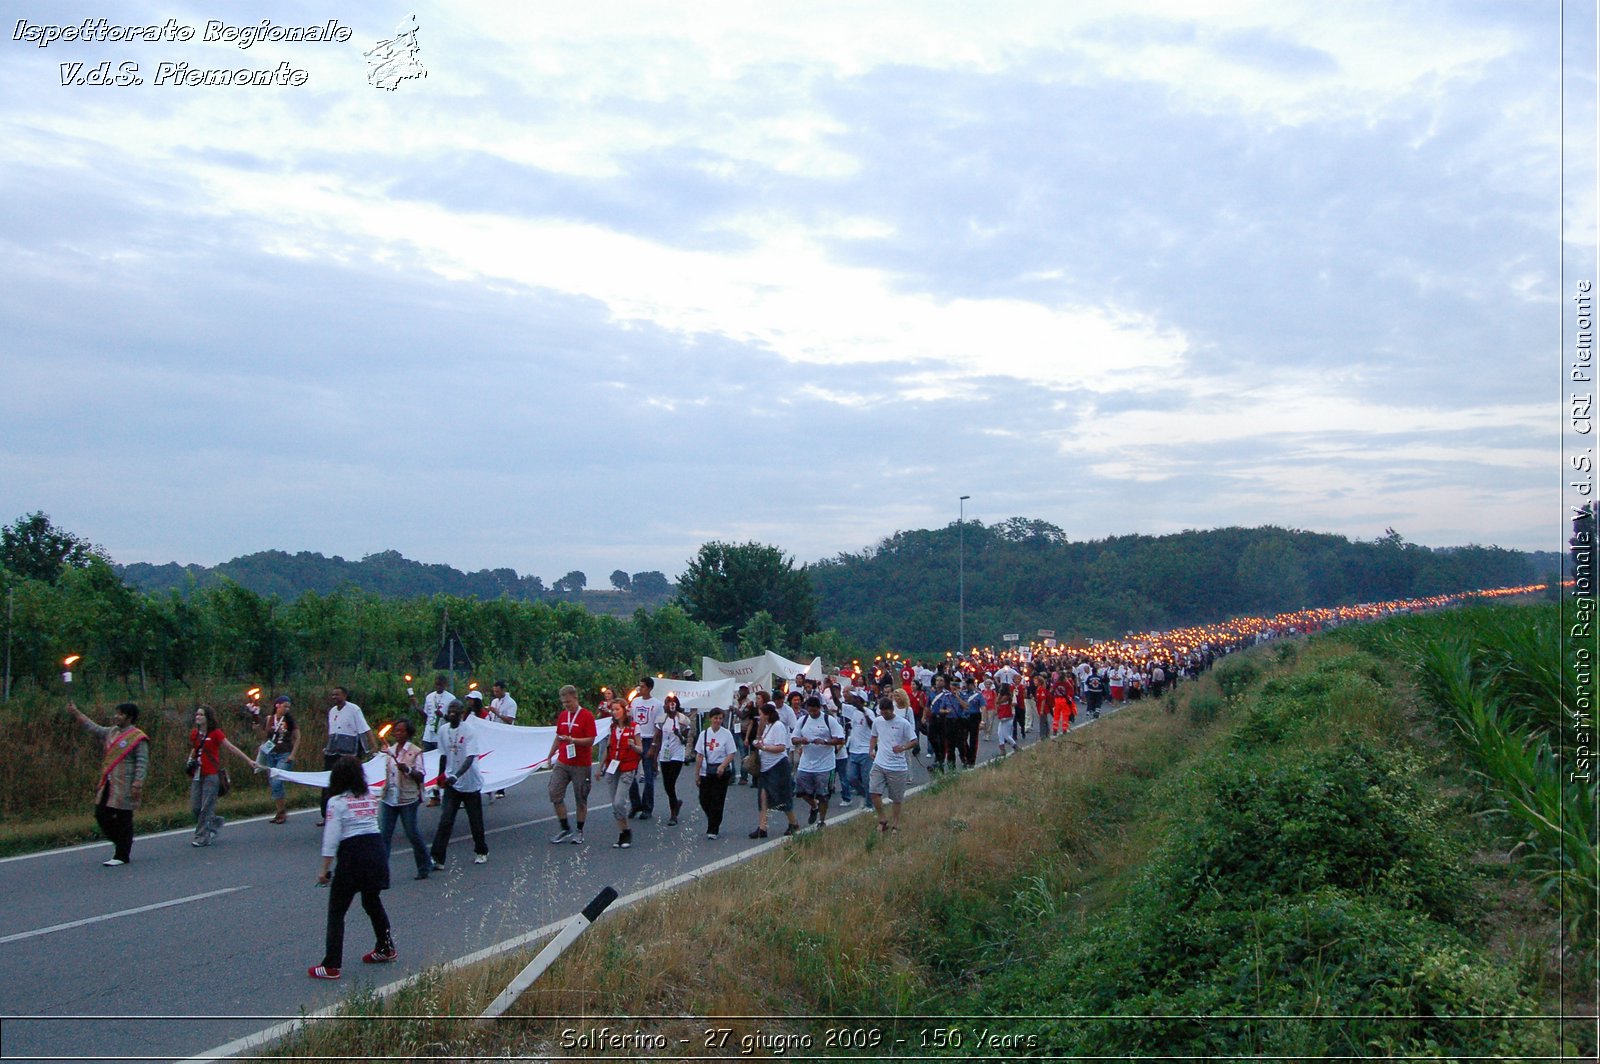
(379, 956)
(319, 972)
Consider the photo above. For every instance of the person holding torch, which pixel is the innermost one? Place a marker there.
(123, 767)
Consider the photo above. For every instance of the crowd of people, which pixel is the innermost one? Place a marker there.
(853, 731)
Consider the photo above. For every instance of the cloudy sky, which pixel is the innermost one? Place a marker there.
(615, 279)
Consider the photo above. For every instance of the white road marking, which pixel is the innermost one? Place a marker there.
(116, 915)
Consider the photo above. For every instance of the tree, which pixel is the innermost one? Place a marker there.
(651, 583)
(34, 548)
(762, 634)
(572, 583)
(620, 580)
(727, 584)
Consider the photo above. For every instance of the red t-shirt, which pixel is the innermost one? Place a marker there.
(619, 747)
(210, 750)
(578, 724)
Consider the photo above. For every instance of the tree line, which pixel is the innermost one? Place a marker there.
(1023, 575)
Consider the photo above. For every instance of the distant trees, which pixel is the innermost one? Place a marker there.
(651, 584)
(726, 584)
(621, 580)
(570, 584)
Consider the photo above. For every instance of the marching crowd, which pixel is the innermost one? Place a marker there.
(855, 729)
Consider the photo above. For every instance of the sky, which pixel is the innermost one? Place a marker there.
(616, 279)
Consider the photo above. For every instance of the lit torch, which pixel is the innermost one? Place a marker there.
(66, 665)
(409, 689)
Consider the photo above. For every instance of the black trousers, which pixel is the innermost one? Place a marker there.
(362, 868)
(669, 779)
(713, 796)
(453, 801)
(116, 825)
(969, 740)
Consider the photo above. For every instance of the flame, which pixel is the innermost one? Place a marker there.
(383, 732)
(473, 686)
(69, 659)
(254, 692)
(408, 677)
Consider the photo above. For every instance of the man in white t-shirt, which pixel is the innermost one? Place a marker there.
(892, 736)
(349, 735)
(435, 707)
(646, 712)
(503, 708)
(857, 747)
(817, 737)
(463, 784)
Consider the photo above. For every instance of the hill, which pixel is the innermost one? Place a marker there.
(392, 575)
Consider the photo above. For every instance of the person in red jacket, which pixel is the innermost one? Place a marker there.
(620, 769)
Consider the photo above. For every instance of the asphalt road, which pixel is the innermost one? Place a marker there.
(186, 949)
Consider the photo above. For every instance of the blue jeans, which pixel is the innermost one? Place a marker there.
(407, 815)
(857, 770)
(642, 792)
(276, 760)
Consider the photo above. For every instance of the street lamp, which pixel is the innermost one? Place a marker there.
(961, 534)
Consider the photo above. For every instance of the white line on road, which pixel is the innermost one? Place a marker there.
(112, 916)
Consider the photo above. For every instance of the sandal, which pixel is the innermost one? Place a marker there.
(279, 820)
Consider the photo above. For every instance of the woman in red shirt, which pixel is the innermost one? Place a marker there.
(206, 743)
(621, 766)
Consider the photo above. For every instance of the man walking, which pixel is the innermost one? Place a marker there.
(435, 707)
(646, 713)
(818, 737)
(892, 736)
(571, 755)
(463, 786)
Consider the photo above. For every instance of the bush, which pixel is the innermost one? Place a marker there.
(1204, 707)
(1235, 675)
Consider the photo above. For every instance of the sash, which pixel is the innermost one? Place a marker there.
(129, 741)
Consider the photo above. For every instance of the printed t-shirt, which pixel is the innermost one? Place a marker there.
(210, 750)
(817, 757)
(576, 724)
(890, 734)
(716, 746)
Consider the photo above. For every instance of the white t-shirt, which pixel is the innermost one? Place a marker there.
(460, 743)
(644, 712)
(817, 756)
(890, 734)
(347, 720)
(434, 708)
(349, 815)
(504, 709)
(776, 735)
(673, 736)
(715, 745)
(859, 739)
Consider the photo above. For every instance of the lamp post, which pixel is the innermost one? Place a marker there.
(961, 579)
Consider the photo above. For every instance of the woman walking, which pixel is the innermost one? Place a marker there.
(351, 836)
(206, 743)
(673, 737)
(777, 776)
(281, 748)
(714, 753)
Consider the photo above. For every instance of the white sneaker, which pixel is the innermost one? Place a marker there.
(481, 858)
(114, 863)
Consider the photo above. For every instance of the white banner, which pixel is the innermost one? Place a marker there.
(508, 754)
(699, 694)
(758, 671)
